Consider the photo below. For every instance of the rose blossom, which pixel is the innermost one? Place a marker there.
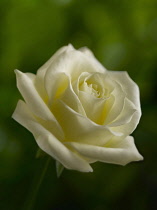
(78, 111)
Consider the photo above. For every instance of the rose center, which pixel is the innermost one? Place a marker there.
(92, 89)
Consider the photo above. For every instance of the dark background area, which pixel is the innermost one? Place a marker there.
(123, 36)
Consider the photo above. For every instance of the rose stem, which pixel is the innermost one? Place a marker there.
(35, 187)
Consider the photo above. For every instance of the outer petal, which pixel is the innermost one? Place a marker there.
(132, 93)
(129, 127)
(46, 65)
(48, 142)
(125, 115)
(89, 53)
(72, 63)
(39, 81)
(121, 153)
(78, 128)
(26, 86)
(129, 86)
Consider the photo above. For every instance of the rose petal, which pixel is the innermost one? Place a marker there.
(76, 84)
(89, 53)
(48, 142)
(46, 65)
(96, 108)
(40, 81)
(38, 107)
(113, 110)
(129, 127)
(72, 63)
(79, 128)
(70, 98)
(132, 93)
(59, 85)
(125, 115)
(121, 153)
(129, 86)
(22, 111)
(27, 89)
(93, 107)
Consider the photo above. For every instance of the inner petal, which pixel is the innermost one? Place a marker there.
(93, 90)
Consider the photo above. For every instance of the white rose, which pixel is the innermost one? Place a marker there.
(78, 111)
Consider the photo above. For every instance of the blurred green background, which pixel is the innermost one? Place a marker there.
(123, 36)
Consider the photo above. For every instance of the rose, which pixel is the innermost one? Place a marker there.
(78, 111)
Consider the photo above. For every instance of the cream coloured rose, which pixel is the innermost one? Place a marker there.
(78, 111)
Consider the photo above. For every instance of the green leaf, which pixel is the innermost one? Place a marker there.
(59, 168)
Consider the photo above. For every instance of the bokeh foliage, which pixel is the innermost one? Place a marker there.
(123, 36)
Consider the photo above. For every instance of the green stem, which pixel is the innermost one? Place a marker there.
(35, 188)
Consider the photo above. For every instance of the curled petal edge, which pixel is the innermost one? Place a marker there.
(121, 153)
(48, 142)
